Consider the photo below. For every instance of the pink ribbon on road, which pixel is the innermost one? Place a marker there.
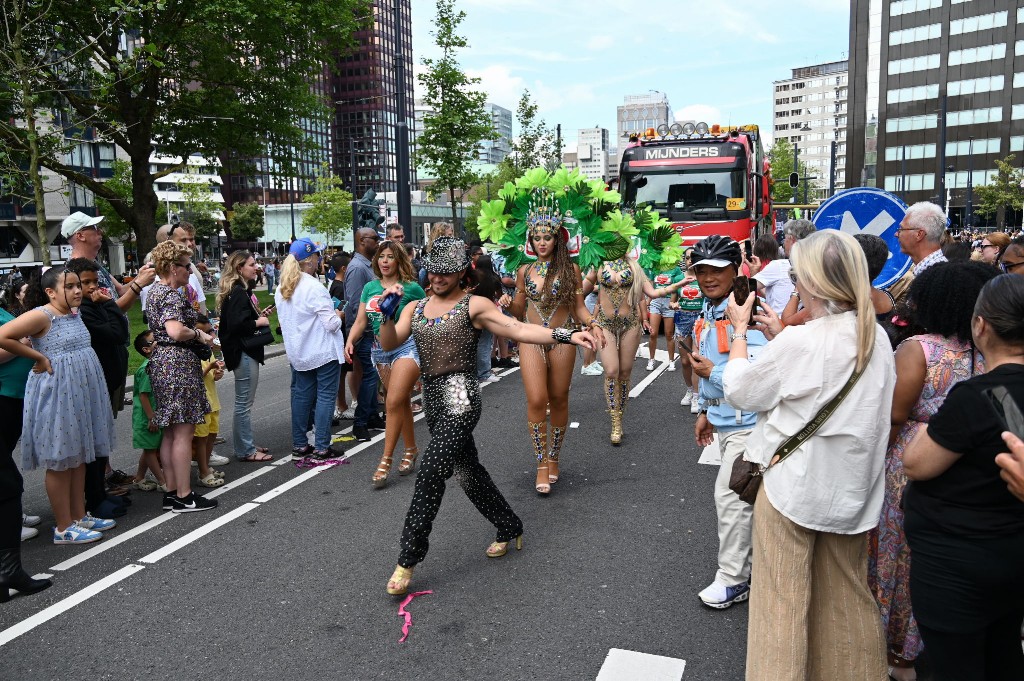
(408, 617)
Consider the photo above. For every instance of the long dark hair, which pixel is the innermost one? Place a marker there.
(1001, 304)
(35, 294)
(487, 282)
(562, 269)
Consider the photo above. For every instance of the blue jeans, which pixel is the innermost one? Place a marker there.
(314, 391)
(271, 279)
(484, 347)
(367, 407)
(247, 378)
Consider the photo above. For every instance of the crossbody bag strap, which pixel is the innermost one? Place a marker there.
(794, 442)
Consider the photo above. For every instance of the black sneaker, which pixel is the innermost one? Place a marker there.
(169, 499)
(361, 433)
(376, 423)
(192, 503)
(302, 452)
(325, 454)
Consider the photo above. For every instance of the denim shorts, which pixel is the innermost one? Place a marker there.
(685, 319)
(660, 306)
(406, 350)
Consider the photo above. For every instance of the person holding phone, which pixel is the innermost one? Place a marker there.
(239, 318)
(715, 261)
(964, 527)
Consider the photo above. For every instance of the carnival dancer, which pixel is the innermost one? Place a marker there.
(621, 286)
(446, 327)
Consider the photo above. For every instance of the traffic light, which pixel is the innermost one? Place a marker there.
(794, 180)
(369, 211)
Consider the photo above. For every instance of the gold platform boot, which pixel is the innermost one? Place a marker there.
(611, 395)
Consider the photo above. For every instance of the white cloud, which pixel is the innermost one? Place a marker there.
(501, 86)
(600, 42)
(699, 112)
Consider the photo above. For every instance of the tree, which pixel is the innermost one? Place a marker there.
(330, 210)
(781, 157)
(247, 222)
(188, 77)
(456, 120)
(528, 148)
(198, 209)
(1004, 191)
(114, 226)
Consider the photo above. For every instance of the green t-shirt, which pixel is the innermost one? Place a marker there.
(13, 374)
(372, 295)
(139, 386)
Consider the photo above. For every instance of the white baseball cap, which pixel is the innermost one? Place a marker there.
(76, 222)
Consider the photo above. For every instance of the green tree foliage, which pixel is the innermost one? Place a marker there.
(529, 147)
(189, 77)
(114, 226)
(1004, 191)
(247, 222)
(781, 157)
(330, 210)
(456, 121)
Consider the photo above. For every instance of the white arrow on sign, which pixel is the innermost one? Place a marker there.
(877, 226)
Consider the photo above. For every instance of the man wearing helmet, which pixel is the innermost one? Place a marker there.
(715, 262)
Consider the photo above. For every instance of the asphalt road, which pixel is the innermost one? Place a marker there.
(286, 579)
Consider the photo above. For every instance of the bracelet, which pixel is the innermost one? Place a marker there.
(738, 336)
(136, 289)
(794, 294)
(562, 335)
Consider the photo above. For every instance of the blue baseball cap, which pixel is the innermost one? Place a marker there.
(303, 248)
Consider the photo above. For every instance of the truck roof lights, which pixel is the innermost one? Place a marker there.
(676, 129)
(663, 130)
(688, 128)
(701, 128)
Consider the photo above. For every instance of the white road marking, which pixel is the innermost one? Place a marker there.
(195, 534)
(626, 665)
(294, 482)
(711, 455)
(60, 607)
(227, 487)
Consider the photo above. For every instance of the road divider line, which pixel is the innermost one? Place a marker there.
(110, 542)
(294, 482)
(227, 487)
(197, 533)
(623, 665)
(650, 378)
(60, 607)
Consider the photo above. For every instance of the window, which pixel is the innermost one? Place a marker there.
(912, 94)
(976, 54)
(911, 123)
(909, 6)
(1020, 15)
(965, 147)
(797, 99)
(1018, 80)
(1018, 48)
(970, 87)
(918, 33)
(913, 182)
(958, 180)
(1017, 143)
(1017, 112)
(912, 152)
(924, 63)
(976, 116)
(983, 22)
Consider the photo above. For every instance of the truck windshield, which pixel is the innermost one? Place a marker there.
(684, 191)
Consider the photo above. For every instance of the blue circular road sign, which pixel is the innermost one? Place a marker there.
(868, 210)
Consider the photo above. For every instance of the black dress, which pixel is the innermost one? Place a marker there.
(451, 396)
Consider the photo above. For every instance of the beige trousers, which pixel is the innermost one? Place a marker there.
(812, 616)
(735, 516)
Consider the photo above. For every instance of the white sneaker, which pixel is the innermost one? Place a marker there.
(349, 413)
(28, 533)
(592, 369)
(650, 365)
(490, 379)
(672, 365)
(686, 398)
(218, 460)
(30, 520)
(694, 405)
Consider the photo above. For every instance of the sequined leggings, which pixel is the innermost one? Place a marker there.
(452, 405)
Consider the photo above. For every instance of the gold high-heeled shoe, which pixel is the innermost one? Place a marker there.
(616, 415)
(380, 477)
(400, 578)
(408, 462)
(498, 549)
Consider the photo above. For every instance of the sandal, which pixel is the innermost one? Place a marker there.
(145, 485)
(380, 478)
(211, 480)
(399, 582)
(417, 407)
(262, 450)
(408, 462)
(498, 549)
(257, 457)
(543, 479)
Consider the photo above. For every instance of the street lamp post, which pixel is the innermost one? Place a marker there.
(402, 137)
(968, 207)
(903, 172)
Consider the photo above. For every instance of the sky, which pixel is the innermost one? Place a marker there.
(715, 59)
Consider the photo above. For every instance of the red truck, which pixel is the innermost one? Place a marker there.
(703, 179)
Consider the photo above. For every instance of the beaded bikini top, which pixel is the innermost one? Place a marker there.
(617, 274)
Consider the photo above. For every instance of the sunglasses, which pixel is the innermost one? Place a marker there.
(1009, 267)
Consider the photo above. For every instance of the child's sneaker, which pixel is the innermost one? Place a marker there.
(192, 503)
(168, 498)
(91, 522)
(218, 460)
(75, 534)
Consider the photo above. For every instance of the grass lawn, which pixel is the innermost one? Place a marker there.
(137, 327)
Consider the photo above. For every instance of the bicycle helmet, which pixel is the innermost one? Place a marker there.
(717, 251)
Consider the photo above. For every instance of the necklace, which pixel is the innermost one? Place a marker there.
(542, 268)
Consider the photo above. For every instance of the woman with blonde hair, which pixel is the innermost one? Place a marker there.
(823, 393)
(399, 368)
(622, 286)
(311, 327)
(240, 317)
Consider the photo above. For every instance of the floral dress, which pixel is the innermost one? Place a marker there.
(949, 361)
(67, 416)
(175, 371)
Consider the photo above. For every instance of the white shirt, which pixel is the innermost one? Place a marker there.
(310, 326)
(834, 482)
(933, 258)
(778, 287)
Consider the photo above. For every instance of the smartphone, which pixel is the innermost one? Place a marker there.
(337, 303)
(741, 287)
(1007, 410)
(748, 250)
(687, 343)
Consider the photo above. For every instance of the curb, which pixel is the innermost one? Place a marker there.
(275, 350)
